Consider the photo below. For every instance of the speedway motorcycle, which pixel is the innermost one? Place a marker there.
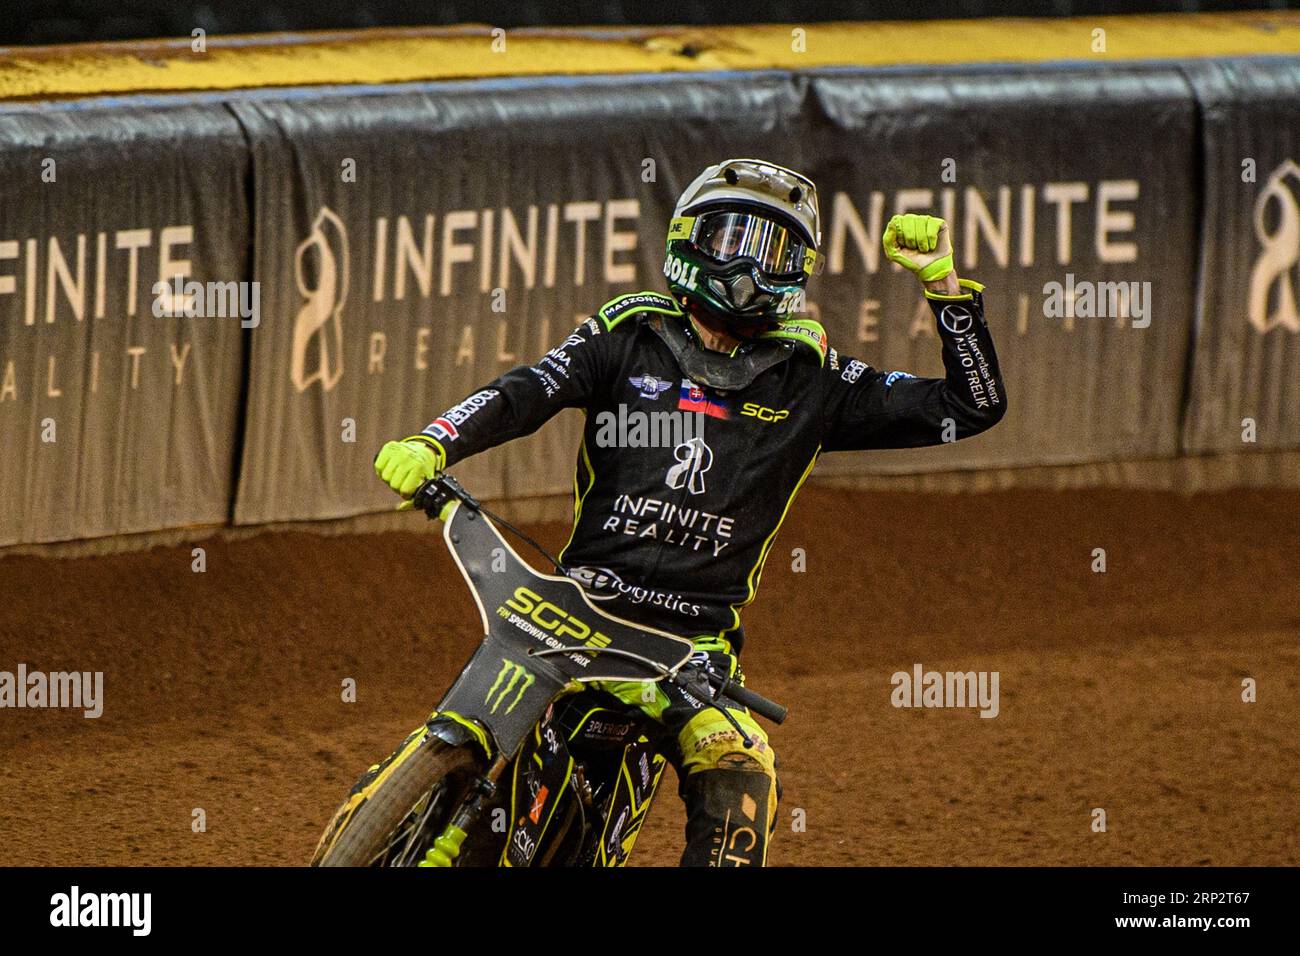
(522, 764)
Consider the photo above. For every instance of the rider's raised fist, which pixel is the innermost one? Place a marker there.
(919, 244)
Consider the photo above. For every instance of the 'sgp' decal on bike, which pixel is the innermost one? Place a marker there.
(694, 459)
(515, 671)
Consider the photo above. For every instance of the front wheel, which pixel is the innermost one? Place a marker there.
(398, 807)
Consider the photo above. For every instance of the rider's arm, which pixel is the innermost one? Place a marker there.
(867, 408)
(523, 399)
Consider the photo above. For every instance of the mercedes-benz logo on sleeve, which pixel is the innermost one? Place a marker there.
(957, 319)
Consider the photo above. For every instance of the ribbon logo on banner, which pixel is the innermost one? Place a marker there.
(320, 320)
(1280, 262)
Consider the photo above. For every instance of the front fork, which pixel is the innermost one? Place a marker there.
(446, 848)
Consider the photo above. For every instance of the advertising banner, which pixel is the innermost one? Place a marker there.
(224, 309)
(1245, 376)
(123, 259)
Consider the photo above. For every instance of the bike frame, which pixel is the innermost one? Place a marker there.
(588, 764)
(543, 639)
(548, 746)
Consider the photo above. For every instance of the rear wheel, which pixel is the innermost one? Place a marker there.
(399, 806)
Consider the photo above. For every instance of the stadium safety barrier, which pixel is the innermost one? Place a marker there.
(112, 419)
(353, 261)
(1246, 361)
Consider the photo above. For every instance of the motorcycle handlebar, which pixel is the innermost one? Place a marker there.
(434, 494)
(707, 685)
(757, 703)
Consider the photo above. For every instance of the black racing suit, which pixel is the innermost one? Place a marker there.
(678, 535)
(675, 535)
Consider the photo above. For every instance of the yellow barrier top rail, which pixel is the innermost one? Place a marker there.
(410, 55)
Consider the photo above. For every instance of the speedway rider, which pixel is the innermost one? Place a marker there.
(676, 537)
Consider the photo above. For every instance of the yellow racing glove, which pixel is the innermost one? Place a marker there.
(405, 465)
(919, 244)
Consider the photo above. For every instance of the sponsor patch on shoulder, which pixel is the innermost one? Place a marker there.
(615, 310)
(802, 331)
(893, 377)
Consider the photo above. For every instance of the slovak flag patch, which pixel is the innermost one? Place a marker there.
(694, 399)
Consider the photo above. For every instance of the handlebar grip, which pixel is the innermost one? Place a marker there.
(432, 496)
(757, 703)
(429, 497)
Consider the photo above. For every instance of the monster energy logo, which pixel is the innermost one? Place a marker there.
(515, 672)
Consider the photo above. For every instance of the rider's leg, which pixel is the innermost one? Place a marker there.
(730, 790)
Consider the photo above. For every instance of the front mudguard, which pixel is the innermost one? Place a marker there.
(458, 731)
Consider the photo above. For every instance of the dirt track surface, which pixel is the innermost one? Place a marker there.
(1119, 691)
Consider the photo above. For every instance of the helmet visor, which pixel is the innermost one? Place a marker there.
(727, 236)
